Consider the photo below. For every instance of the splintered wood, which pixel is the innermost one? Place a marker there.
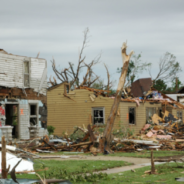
(3, 161)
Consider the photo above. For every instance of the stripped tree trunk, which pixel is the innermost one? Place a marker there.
(3, 157)
(110, 121)
(152, 164)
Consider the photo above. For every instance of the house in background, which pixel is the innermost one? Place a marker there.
(23, 85)
(178, 96)
(67, 109)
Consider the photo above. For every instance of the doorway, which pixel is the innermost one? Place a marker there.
(132, 116)
(12, 118)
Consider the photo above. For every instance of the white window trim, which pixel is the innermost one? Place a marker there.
(151, 108)
(37, 113)
(92, 112)
(29, 61)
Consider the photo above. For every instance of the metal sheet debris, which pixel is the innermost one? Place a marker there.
(24, 165)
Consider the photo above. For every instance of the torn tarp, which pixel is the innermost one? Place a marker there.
(169, 117)
(21, 181)
(12, 160)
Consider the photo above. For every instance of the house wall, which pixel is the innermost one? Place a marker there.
(12, 66)
(24, 116)
(175, 97)
(174, 112)
(64, 113)
(168, 108)
(140, 114)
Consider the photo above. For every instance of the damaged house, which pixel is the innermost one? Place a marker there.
(23, 85)
(178, 96)
(69, 108)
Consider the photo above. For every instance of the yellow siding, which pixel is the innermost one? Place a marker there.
(169, 109)
(140, 114)
(174, 112)
(64, 113)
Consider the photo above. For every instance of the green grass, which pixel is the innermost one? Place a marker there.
(143, 154)
(71, 166)
(146, 154)
(166, 175)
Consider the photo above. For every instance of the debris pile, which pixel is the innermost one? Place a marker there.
(167, 128)
(164, 133)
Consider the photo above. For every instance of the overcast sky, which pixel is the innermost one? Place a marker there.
(55, 29)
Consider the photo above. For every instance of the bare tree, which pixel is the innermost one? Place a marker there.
(168, 68)
(109, 82)
(71, 75)
(100, 84)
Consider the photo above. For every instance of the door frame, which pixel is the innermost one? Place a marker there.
(18, 126)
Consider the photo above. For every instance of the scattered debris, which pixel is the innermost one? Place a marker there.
(179, 179)
(24, 165)
(155, 135)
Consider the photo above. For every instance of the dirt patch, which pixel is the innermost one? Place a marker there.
(127, 159)
(174, 156)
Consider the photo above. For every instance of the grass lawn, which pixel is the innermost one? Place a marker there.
(166, 175)
(56, 168)
(146, 154)
(143, 154)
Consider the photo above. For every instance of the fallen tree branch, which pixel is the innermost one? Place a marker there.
(81, 144)
(168, 160)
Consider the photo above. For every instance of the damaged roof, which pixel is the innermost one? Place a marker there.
(140, 93)
(181, 90)
(3, 51)
(141, 86)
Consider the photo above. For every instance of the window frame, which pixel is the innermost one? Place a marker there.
(160, 112)
(98, 108)
(155, 109)
(34, 116)
(179, 111)
(135, 120)
(65, 89)
(27, 74)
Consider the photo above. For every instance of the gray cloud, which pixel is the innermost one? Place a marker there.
(55, 29)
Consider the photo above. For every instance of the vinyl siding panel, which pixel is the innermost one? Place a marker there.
(64, 114)
(174, 112)
(140, 114)
(24, 121)
(169, 109)
(13, 67)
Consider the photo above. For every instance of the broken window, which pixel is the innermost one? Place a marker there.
(32, 109)
(180, 115)
(132, 115)
(67, 88)
(33, 114)
(98, 116)
(26, 73)
(160, 113)
(149, 113)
